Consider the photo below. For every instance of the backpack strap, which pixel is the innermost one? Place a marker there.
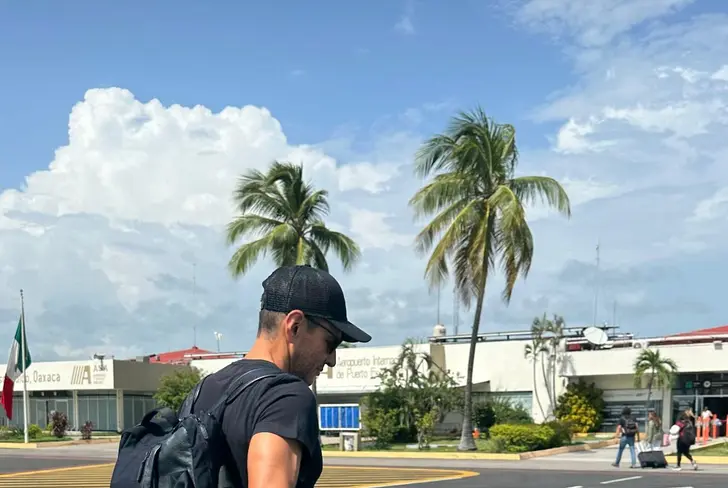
(189, 403)
(238, 386)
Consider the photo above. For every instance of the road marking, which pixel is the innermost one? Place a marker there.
(55, 470)
(619, 480)
(99, 476)
(576, 486)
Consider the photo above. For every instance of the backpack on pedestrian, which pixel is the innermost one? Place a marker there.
(688, 433)
(180, 451)
(630, 426)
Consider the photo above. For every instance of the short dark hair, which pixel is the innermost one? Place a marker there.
(626, 411)
(268, 321)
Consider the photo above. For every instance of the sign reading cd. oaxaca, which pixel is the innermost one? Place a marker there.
(69, 375)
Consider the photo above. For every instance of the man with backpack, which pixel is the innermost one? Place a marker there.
(254, 423)
(627, 431)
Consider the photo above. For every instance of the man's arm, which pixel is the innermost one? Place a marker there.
(273, 461)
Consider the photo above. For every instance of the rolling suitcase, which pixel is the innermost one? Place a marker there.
(649, 458)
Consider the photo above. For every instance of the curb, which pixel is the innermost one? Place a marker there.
(716, 460)
(483, 456)
(423, 455)
(41, 445)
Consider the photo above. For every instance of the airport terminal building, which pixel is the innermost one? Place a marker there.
(115, 394)
(502, 369)
(112, 394)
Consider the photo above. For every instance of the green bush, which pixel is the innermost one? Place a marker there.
(484, 415)
(382, 425)
(34, 431)
(523, 437)
(581, 406)
(59, 420)
(508, 412)
(562, 433)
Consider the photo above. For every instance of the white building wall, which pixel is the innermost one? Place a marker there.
(694, 358)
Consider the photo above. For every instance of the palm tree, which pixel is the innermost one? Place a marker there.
(285, 215)
(534, 351)
(662, 371)
(480, 218)
(553, 333)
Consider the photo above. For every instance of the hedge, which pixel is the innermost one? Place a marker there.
(528, 437)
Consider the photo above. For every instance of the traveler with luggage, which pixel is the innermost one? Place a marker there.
(627, 432)
(685, 438)
(653, 432)
(650, 451)
(254, 423)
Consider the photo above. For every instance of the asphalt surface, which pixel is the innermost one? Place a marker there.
(497, 478)
(13, 463)
(523, 474)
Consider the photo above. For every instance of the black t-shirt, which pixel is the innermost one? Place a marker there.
(280, 405)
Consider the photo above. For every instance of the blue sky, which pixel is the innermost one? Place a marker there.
(622, 101)
(343, 66)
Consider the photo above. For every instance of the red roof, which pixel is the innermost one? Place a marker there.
(176, 357)
(722, 330)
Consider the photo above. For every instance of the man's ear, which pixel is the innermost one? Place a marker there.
(292, 323)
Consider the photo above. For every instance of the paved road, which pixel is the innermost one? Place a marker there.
(501, 478)
(587, 472)
(99, 476)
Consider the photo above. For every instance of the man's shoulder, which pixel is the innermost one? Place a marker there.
(280, 385)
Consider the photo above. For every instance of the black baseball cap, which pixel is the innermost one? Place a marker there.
(312, 291)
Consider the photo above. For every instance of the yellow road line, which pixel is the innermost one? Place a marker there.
(99, 475)
(55, 470)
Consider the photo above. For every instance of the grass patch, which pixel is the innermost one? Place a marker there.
(716, 450)
(43, 438)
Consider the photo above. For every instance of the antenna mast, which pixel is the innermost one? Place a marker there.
(455, 310)
(596, 287)
(194, 301)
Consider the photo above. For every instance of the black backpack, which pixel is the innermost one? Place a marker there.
(630, 425)
(186, 451)
(688, 433)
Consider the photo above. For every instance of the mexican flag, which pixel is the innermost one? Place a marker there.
(14, 369)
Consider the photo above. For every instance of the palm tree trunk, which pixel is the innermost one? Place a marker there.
(535, 390)
(649, 392)
(553, 383)
(545, 375)
(467, 443)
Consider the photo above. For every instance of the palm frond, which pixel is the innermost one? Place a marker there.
(444, 191)
(342, 245)
(247, 254)
(530, 189)
(250, 224)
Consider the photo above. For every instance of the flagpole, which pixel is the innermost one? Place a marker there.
(23, 348)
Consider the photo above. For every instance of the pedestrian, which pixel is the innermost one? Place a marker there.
(627, 432)
(653, 432)
(685, 439)
(272, 430)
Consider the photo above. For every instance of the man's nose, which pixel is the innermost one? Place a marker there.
(331, 359)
